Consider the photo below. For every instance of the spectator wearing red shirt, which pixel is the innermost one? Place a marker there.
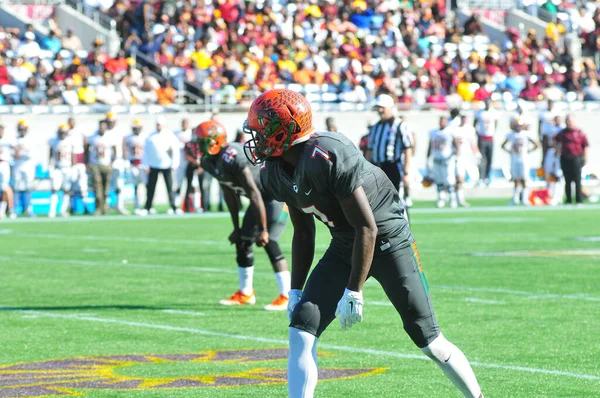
(437, 98)
(433, 64)
(118, 64)
(573, 147)
(481, 94)
(531, 92)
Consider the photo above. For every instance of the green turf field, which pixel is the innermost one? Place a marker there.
(115, 304)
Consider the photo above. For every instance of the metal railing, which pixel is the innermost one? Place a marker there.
(100, 18)
(208, 106)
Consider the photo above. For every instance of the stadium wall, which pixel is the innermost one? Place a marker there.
(352, 124)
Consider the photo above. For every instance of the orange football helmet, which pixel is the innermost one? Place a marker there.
(427, 182)
(210, 136)
(539, 172)
(277, 120)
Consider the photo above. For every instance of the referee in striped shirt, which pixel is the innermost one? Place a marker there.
(390, 145)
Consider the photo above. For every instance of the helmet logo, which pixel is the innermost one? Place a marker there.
(295, 188)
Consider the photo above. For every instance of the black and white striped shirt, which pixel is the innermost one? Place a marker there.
(388, 139)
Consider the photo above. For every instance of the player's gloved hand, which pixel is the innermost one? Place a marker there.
(263, 238)
(350, 308)
(235, 236)
(294, 295)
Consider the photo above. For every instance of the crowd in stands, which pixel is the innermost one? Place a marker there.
(334, 51)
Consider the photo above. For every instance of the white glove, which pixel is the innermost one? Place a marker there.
(294, 296)
(350, 309)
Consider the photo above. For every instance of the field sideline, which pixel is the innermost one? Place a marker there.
(125, 306)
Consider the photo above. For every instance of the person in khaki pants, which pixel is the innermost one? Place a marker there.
(101, 152)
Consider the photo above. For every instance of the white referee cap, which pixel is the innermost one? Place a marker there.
(384, 101)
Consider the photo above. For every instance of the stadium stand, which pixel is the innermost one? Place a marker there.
(227, 51)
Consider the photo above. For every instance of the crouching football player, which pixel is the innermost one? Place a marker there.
(325, 176)
(263, 223)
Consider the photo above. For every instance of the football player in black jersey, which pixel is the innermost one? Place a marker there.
(324, 175)
(263, 223)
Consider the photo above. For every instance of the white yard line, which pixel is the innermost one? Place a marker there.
(379, 303)
(94, 251)
(132, 239)
(482, 301)
(474, 220)
(181, 312)
(487, 209)
(356, 350)
(126, 264)
(232, 270)
(531, 295)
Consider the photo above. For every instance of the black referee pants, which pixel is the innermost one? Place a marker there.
(392, 170)
(571, 167)
(151, 187)
(486, 148)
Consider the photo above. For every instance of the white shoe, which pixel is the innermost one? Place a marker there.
(170, 212)
(513, 203)
(453, 204)
(142, 212)
(179, 212)
(51, 215)
(124, 212)
(464, 204)
(2, 216)
(440, 203)
(65, 214)
(408, 201)
(12, 216)
(152, 211)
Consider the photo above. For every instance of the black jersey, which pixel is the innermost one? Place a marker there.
(329, 170)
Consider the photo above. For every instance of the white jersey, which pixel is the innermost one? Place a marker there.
(78, 141)
(442, 143)
(519, 144)
(486, 123)
(551, 132)
(464, 136)
(62, 152)
(184, 136)
(117, 136)
(101, 149)
(134, 147)
(546, 122)
(6, 149)
(23, 149)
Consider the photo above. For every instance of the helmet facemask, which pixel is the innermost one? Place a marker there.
(267, 142)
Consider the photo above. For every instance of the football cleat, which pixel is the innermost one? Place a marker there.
(239, 298)
(440, 203)
(279, 304)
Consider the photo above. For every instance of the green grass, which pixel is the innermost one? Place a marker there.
(99, 288)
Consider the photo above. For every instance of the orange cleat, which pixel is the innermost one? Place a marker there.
(239, 298)
(279, 304)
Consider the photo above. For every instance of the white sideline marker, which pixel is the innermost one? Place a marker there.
(326, 346)
(488, 209)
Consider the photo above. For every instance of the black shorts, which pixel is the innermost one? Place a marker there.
(276, 221)
(396, 266)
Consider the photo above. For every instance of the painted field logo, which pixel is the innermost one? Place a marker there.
(232, 368)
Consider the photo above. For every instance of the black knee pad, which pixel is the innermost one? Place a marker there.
(307, 317)
(273, 251)
(422, 332)
(245, 255)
